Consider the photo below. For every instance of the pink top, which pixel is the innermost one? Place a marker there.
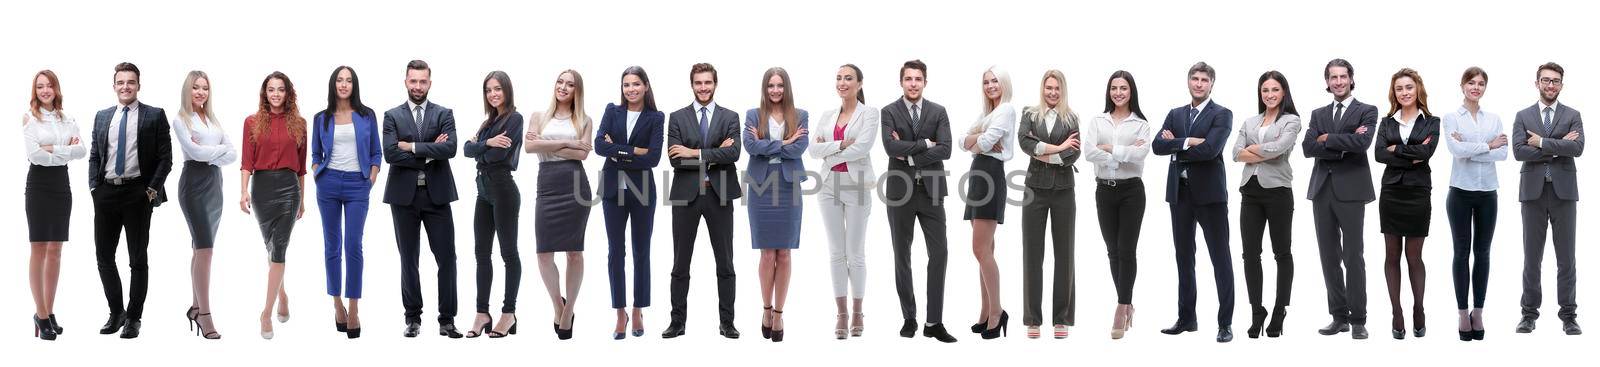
(838, 134)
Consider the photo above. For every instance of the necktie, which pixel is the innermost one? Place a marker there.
(916, 115)
(122, 142)
(1547, 112)
(1338, 112)
(705, 129)
(1193, 113)
(416, 116)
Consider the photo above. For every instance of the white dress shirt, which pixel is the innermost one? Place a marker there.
(996, 127)
(1406, 125)
(1472, 168)
(131, 151)
(915, 121)
(633, 120)
(1125, 160)
(204, 142)
(54, 130)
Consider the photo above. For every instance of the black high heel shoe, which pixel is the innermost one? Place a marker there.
(1258, 315)
(42, 328)
(766, 326)
(480, 329)
(1275, 327)
(511, 331)
(192, 314)
(999, 329)
(55, 324)
(777, 334)
(200, 329)
(564, 334)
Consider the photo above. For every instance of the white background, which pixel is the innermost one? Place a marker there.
(239, 43)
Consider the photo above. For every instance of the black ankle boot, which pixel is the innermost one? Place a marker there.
(1275, 327)
(43, 329)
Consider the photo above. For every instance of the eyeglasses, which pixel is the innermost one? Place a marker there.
(1550, 81)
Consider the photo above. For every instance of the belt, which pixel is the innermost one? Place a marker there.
(1114, 183)
(124, 180)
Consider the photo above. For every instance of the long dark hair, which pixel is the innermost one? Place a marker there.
(861, 93)
(507, 103)
(649, 92)
(333, 96)
(1133, 93)
(1285, 107)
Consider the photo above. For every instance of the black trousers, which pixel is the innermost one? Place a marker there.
(685, 229)
(1472, 215)
(495, 216)
(409, 221)
(1213, 220)
(1561, 218)
(1339, 246)
(1120, 208)
(1059, 209)
(903, 219)
(1263, 210)
(118, 208)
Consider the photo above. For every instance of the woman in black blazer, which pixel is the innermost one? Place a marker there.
(1405, 141)
(629, 138)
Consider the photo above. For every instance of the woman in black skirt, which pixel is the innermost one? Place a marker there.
(205, 149)
(991, 144)
(273, 169)
(561, 137)
(51, 140)
(1405, 141)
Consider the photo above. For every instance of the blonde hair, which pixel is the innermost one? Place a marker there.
(1005, 96)
(790, 118)
(55, 105)
(188, 107)
(580, 120)
(1062, 110)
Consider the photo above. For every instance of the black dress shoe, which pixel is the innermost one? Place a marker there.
(1419, 331)
(675, 329)
(1334, 328)
(113, 324)
(908, 329)
(1358, 332)
(937, 332)
(728, 331)
(1224, 334)
(130, 329)
(412, 329)
(1526, 325)
(1398, 334)
(1181, 327)
(1570, 326)
(449, 330)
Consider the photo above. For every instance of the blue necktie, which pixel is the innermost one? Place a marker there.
(1193, 112)
(705, 129)
(1548, 131)
(122, 142)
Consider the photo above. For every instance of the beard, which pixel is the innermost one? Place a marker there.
(417, 99)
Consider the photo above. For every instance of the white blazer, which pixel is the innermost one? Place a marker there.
(863, 127)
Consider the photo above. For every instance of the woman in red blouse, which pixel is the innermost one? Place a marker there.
(273, 175)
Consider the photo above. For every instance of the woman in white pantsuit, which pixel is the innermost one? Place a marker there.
(844, 144)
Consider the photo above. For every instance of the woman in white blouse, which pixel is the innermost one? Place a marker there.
(561, 136)
(205, 149)
(1475, 140)
(991, 144)
(50, 139)
(1116, 143)
(844, 145)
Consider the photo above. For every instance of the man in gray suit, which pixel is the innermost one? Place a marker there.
(703, 149)
(916, 136)
(1546, 137)
(1341, 186)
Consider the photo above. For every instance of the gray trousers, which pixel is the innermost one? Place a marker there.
(1339, 246)
(1561, 217)
(1060, 209)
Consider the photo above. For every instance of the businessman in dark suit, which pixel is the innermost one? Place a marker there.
(128, 165)
(1194, 135)
(916, 136)
(1341, 186)
(419, 138)
(1546, 137)
(702, 147)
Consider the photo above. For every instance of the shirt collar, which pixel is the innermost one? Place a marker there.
(1351, 101)
(909, 103)
(1203, 104)
(711, 106)
(413, 105)
(131, 106)
(1543, 106)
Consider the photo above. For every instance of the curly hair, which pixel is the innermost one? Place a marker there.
(291, 110)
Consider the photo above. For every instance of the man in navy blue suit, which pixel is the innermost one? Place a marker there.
(1194, 135)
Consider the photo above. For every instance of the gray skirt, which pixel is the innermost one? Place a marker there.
(275, 198)
(200, 198)
(559, 213)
